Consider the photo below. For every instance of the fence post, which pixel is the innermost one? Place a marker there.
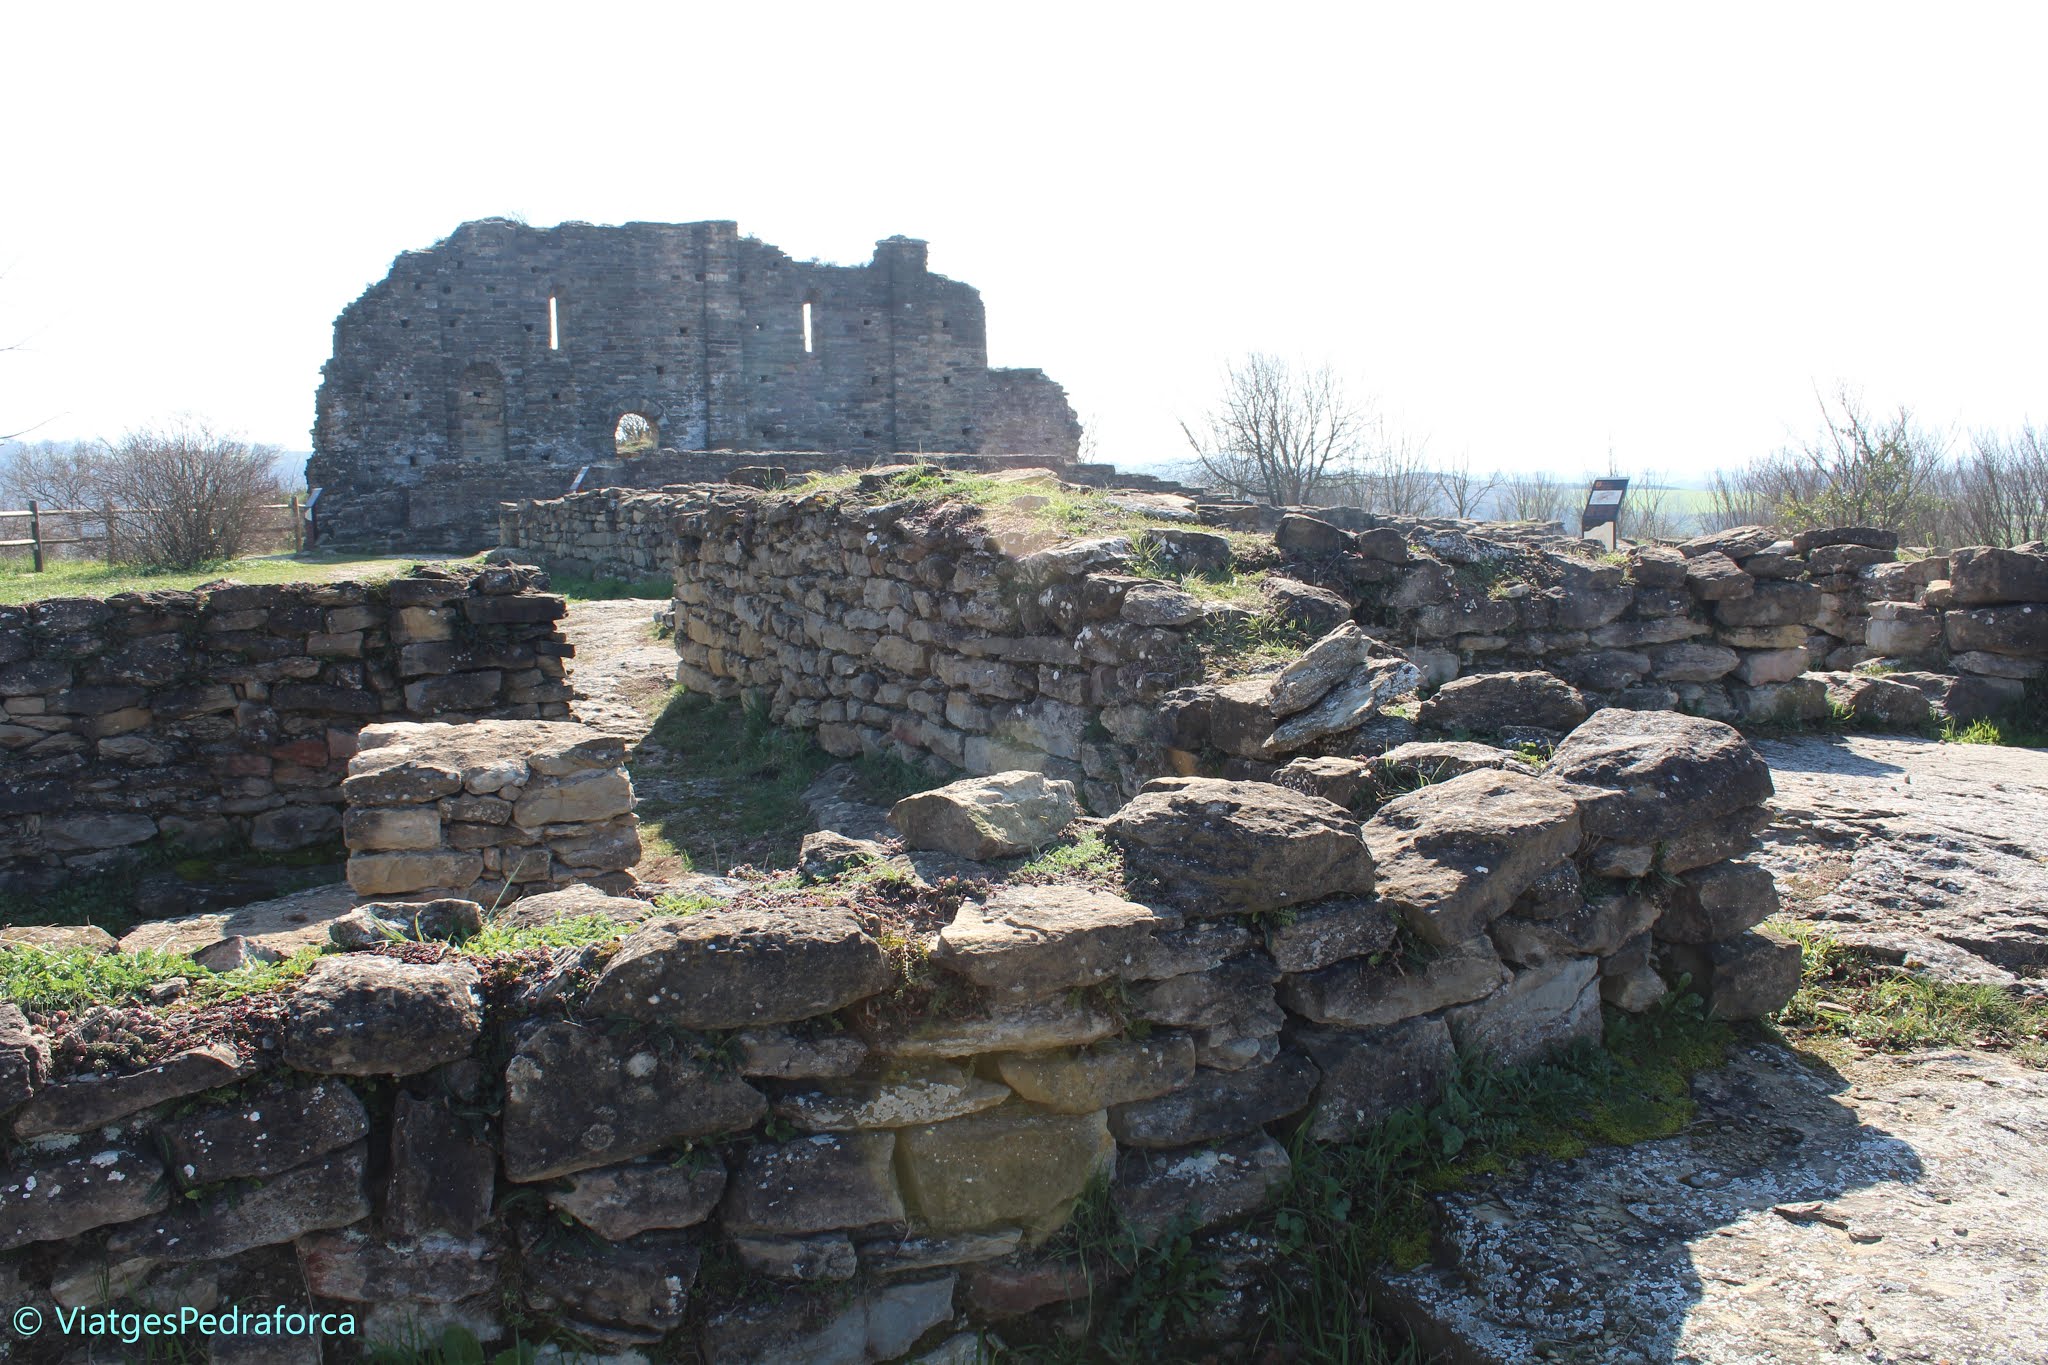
(296, 547)
(108, 513)
(35, 534)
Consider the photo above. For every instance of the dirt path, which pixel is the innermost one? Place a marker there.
(1930, 854)
(620, 667)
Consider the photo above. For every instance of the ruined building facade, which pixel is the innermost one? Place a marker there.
(497, 363)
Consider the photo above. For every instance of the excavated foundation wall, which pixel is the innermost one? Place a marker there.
(231, 712)
(763, 1130)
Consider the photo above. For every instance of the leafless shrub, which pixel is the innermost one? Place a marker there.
(186, 495)
(1864, 469)
(1462, 492)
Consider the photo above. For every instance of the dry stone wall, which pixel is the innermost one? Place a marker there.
(231, 712)
(769, 1129)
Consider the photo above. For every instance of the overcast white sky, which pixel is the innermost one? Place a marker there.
(1538, 232)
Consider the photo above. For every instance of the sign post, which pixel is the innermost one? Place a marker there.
(1601, 520)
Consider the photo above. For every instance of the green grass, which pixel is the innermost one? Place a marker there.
(1089, 858)
(2010, 733)
(577, 588)
(578, 931)
(39, 980)
(1353, 1208)
(1847, 1001)
(1236, 646)
(738, 780)
(88, 578)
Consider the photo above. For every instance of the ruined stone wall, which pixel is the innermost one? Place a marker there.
(758, 1132)
(504, 356)
(230, 712)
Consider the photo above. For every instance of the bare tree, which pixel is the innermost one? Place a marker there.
(1999, 490)
(57, 474)
(1277, 432)
(1652, 511)
(1464, 492)
(190, 495)
(1862, 470)
(1536, 497)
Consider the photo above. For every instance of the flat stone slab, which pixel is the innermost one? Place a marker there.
(269, 930)
(1894, 1214)
(1931, 855)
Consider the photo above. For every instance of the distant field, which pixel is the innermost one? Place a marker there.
(86, 578)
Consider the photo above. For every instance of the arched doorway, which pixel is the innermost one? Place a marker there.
(635, 434)
(480, 415)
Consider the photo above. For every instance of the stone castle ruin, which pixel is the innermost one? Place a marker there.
(499, 362)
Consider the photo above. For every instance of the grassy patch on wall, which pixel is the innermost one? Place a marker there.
(1848, 1004)
(41, 981)
(93, 578)
(577, 588)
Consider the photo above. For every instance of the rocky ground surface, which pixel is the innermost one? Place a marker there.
(1927, 854)
(620, 666)
(1895, 1210)
(1898, 1212)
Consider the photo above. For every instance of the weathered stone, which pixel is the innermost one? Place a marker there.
(24, 1059)
(1350, 704)
(263, 1132)
(1192, 1188)
(1321, 667)
(579, 798)
(1594, 928)
(1493, 701)
(1544, 1007)
(325, 1193)
(618, 1202)
(402, 874)
(1717, 902)
(880, 1324)
(1453, 856)
(724, 968)
(1714, 577)
(1360, 994)
(87, 1102)
(1012, 1165)
(1877, 701)
(895, 1255)
(1023, 942)
(1001, 816)
(1198, 947)
(1344, 781)
(1217, 1104)
(1693, 661)
(814, 1184)
(574, 1099)
(1060, 1021)
(1556, 892)
(575, 902)
(1369, 1073)
(1760, 667)
(1188, 551)
(1090, 1079)
(822, 1257)
(363, 1015)
(1316, 609)
(782, 1055)
(1324, 932)
(1239, 987)
(441, 1175)
(265, 931)
(1775, 602)
(59, 1197)
(57, 938)
(1760, 637)
(382, 828)
(1310, 536)
(1229, 847)
(642, 1284)
(352, 1265)
(2021, 630)
(1981, 575)
(1786, 703)
(1634, 990)
(902, 1096)
(1642, 776)
(448, 919)
(1746, 977)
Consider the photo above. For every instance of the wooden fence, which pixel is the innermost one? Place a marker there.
(52, 531)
